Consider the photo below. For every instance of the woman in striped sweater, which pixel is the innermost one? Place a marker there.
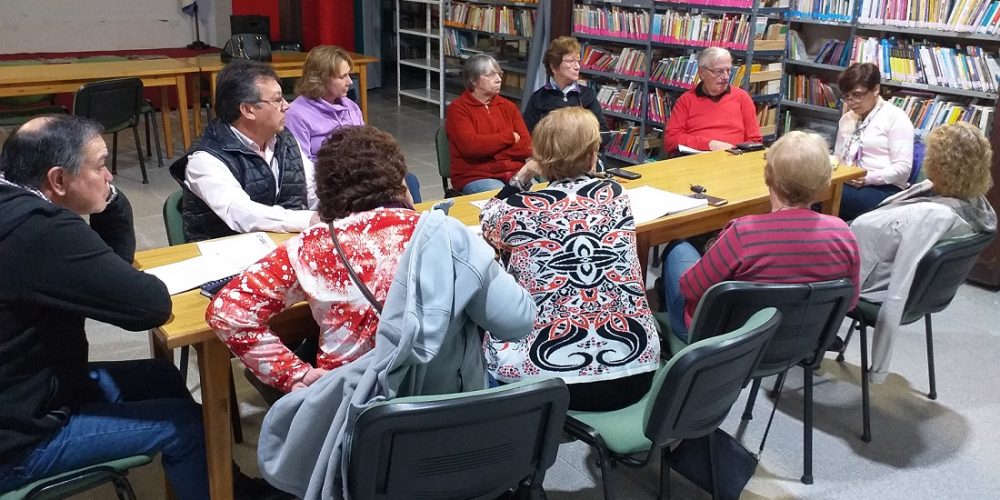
(791, 244)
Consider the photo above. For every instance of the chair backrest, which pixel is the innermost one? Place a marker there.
(811, 315)
(693, 392)
(918, 161)
(941, 271)
(443, 156)
(472, 445)
(115, 104)
(172, 219)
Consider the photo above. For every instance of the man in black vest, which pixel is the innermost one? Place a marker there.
(247, 172)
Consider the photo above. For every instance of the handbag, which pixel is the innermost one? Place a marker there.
(247, 46)
(734, 464)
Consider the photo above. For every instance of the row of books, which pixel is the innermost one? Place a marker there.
(979, 16)
(822, 10)
(614, 22)
(658, 107)
(767, 115)
(811, 90)
(833, 52)
(493, 19)
(631, 62)
(705, 30)
(623, 100)
(739, 4)
(927, 112)
(676, 71)
(626, 141)
(971, 68)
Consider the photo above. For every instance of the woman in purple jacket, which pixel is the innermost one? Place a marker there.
(322, 104)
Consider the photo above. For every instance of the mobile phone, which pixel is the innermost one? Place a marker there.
(624, 174)
(715, 201)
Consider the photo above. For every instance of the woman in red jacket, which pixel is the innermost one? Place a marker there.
(488, 140)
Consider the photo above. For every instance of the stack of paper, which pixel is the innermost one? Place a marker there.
(649, 203)
(218, 259)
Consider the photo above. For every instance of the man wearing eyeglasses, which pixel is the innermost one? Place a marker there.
(246, 173)
(714, 115)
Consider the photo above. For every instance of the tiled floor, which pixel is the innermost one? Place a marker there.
(921, 448)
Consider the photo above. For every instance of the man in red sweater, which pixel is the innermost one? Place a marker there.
(714, 115)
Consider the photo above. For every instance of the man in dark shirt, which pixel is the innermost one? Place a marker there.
(58, 412)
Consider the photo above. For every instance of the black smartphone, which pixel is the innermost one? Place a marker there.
(715, 201)
(624, 174)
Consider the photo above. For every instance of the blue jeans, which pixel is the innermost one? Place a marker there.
(480, 185)
(678, 258)
(147, 410)
(854, 202)
(413, 185)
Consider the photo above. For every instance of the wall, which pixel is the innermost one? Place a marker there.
(93, 25)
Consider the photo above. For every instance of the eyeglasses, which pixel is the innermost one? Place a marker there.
(720, 71)
(491, 74)
(571, 62)
(855, 96)
(277, 102)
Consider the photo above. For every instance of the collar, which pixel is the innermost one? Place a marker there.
(4, 181)
(250, 143)
(701, 93)
(573, 87)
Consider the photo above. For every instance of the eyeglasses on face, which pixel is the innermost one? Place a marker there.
(855, 96)
(717, 72)
(572, 61)
(493, 74)
(277, 102)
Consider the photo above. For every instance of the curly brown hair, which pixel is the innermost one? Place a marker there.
(358, 168)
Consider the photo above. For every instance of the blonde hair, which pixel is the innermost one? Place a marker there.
(320, 66)
(565, 141)
(958, 161)
(798, 168)
(558, 49)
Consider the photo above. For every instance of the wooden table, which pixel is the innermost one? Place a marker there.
(740, 179)
(287, 65)
(187, 327)
(57, 78)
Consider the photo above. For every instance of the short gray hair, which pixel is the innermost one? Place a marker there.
(477, 66)
(29, 153)
(711, 54)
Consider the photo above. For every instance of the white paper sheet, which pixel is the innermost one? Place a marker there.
(689, 151)
(649, 203)
(220, 258)
(480, 203)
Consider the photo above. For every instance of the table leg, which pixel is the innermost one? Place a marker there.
(831, 206)
(182, 110)
(196, 103)
(363, 90)
(168, 133)
(643, 243)
(214, 367)
(158, 350)
(213, 79)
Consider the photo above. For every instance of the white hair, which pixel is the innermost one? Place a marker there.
(711, 54)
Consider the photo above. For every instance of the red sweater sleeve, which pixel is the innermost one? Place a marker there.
(464, 137)
(677, 128)
(240, 314)
(718, 264)
(521, 150)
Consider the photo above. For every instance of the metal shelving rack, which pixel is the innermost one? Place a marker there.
(432, 64)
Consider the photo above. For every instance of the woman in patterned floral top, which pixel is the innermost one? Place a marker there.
(359, 182)
(572, 245)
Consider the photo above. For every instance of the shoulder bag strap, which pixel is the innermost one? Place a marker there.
(350, 271)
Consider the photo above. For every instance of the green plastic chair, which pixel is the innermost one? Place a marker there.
(444, 163)
(689, 398)
(173, 222)
(70, 483)
(478, 444)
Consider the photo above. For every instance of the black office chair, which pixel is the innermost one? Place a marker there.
(939, 274)
(116, 105)
(444, 163)
(690, 397)
(811, 315)
(472, 445)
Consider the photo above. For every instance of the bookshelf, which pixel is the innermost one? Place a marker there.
(639, 55)
(940, 83)
(926, 61)
(500, 28)
(420, 52)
